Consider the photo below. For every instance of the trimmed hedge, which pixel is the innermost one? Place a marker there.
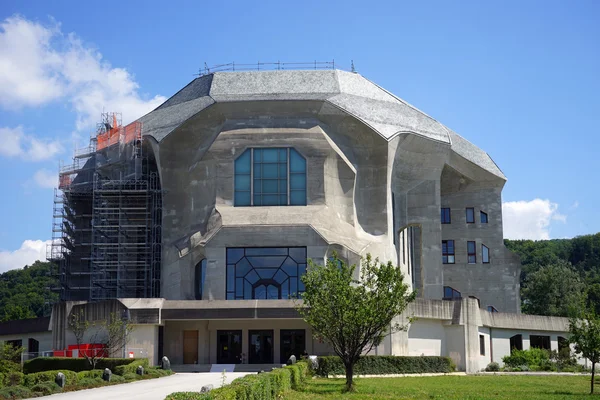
(31, 380)
(15, 392)
(13, 379)
(379, 365)
(93, 374)
(41, 364)
(131, 367)
(266, 386)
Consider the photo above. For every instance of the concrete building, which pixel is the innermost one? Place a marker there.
(261, 171)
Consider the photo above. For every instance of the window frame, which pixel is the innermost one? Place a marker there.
(453, 293)
(442, 212)
(447, 254)
(482, 345)
(481, 214)
(472, 254)
(483, 252)
(467, 215)
(289, 174)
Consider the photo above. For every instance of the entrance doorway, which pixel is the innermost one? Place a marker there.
(292, 341)
(229, 347)
(260, 347)
(190, 347)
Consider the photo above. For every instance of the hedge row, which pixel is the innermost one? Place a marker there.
(265, 386)
(41, 364)
(131, 367)
(379, 365)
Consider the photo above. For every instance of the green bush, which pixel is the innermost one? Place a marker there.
(15, 392)
(93, 374)
(41, 364)
(378, 365)
(31, 380)
(131, 377)
(492, 367)
(530, 358)
(7, 366)
(117, 379)
(13, 379)
(90, 383)
(45, 388)
(131, 367)
(266, 386)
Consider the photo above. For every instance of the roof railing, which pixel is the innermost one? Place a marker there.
(270, 66)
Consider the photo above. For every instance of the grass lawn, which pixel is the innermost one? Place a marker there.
(451, 387)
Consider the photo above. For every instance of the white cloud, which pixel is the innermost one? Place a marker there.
(45, 178)
(14, 142)
(27, 254)
(39, 64)
(530, 219)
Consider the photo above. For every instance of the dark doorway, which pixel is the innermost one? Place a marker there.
(260, 347)
(516, 343)
(33, 346)
(292, 341)
(229, 347)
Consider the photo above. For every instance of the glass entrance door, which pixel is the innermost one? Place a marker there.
(292, 341)
(229, 347)
(260, 347)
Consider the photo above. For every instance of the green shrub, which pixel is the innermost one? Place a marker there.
(90, 383)
(31, 380)
(93, 374)
(15, 392)
(7, 366)
(45, 388)
(531, 358)
(492, 367)
(131, 377)
(41, 364)
(13, 379)
(195, 396)
(131, 367)
(378, 365)
(117, 379)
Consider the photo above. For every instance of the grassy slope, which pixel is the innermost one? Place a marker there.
(451, 387)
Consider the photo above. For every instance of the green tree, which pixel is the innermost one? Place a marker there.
(585, 334)
(555, 290)
(353, 315)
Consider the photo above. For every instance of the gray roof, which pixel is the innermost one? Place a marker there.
(385, 113)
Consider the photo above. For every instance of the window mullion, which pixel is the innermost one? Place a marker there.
(288, 176)
(251, 177)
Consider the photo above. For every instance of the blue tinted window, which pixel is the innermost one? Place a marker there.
(445, 215)
(242, 179)
(450, 293)
(447, 251)
(276, 176)
(265, 273)
(470, 215)
(485, 254)
(484, 217)
(471, 253)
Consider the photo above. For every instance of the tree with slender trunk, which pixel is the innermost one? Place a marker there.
(113, 333)
(353, 315)
(585, 335)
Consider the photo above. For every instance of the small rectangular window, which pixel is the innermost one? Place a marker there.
(482, 345)
(445, 215)
(485, 254)
(447, 251)
(491, 309)
(471, 252)
(451, 293)
(484, 217)
(470, 215)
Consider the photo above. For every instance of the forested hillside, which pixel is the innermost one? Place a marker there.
(25, 293)
(559, 276)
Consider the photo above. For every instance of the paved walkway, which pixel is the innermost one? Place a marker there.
(151, 389)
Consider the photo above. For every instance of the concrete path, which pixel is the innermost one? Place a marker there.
(151, 389)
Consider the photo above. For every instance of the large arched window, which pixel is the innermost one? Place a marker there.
(270, 177)
(265, 273)
(200, 276)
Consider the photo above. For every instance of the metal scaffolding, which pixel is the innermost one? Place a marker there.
(106, 232)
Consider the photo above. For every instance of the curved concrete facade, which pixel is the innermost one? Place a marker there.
(378, 173)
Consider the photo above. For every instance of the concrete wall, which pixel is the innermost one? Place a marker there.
(207, 336)
(143, 342)
(44, 339)
(427, 338)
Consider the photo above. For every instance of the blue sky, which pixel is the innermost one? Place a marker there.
(519, 79)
